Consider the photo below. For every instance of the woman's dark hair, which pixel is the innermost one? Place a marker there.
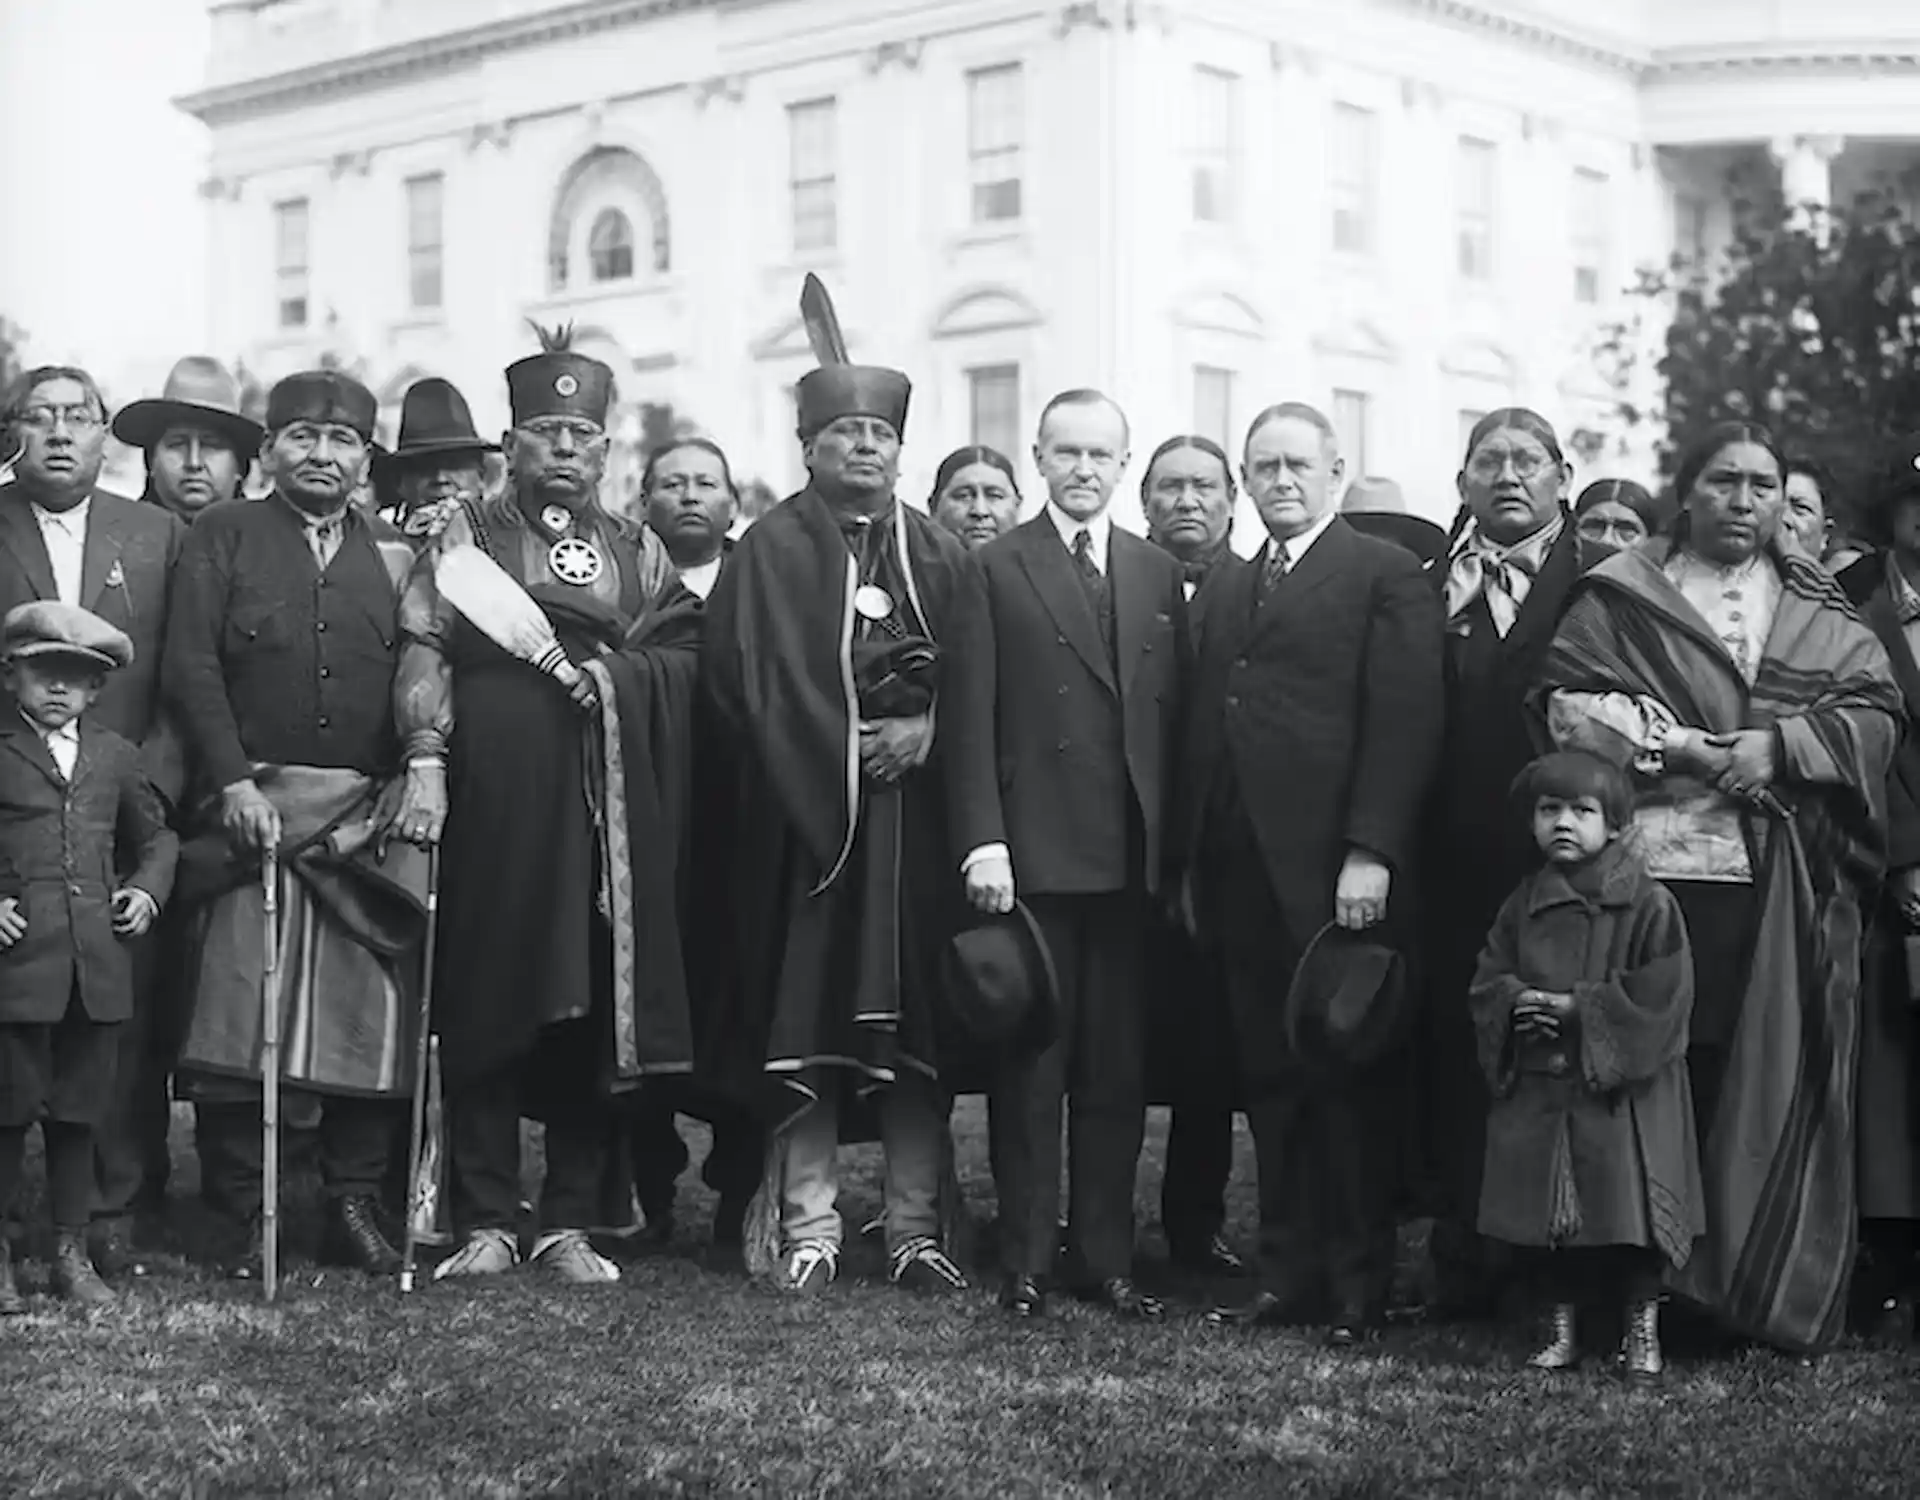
(1703, 449)
(1576, 773)
(1818, 472)
(705, 445)
(966, 458)
(1622, 492)
(1192, 440)
(1526, 420)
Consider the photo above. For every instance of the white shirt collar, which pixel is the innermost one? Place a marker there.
(73, 517)
(1297, 545)
(1099, 531)
(701, 577)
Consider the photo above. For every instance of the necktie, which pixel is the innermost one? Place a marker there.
(323, 539)
(1276, 568)
(1083, 556)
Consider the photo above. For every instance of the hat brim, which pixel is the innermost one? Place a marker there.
(1367, 1040)
(397, 459)
(27, 650)
(141, 424)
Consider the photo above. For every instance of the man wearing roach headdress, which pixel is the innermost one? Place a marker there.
(558, 978)
(829, 733)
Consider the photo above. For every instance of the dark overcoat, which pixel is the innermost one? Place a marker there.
(1888, 1140)
(1474, 851)
(1060, 793)
(58, 847)
(126, 578)
(1324, 700)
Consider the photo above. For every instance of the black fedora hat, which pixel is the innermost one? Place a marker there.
(434, 422)
(1416, 534)
(1348, 1000)
(1001, 981)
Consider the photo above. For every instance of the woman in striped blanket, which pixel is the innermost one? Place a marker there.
(1759, 716)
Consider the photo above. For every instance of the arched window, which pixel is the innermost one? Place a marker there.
(610, 247)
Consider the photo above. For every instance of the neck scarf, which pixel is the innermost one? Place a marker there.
(1503, 574)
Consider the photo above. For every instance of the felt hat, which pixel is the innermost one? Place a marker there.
(200, 392)
(559, 382)
(322, 396)
(1416, 534)
(435, 421)
(1001, 981)
(835, 391)
(47, 627)
(1348, 1000)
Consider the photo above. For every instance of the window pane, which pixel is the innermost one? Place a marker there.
(996, 139)
(1589, 233)
(994, 398)
(610, 247)
(812, 130)
(1352, 417)
(424, 220)
(290, 262)
(1476, 183)
(1216, 145)
(1213, 404)
(1350, 178)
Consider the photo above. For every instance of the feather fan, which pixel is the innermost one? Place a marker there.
(490, 599)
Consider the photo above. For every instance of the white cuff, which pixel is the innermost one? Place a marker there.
(985, 852)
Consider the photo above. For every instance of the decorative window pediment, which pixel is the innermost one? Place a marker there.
(609, 221)
(1220, 311)
(1478, 359)
(1357, 338)
(985, 310)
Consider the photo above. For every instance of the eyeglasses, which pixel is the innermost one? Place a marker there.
(1489, 464)
(304, 437)
(46, 418)
(552, 429)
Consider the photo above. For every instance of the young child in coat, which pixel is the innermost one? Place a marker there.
(1580, 1007)
(75, 805)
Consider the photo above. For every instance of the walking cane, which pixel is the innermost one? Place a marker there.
(270, 1080)
(420, 1209)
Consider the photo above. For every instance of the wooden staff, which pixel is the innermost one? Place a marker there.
(270, 1079)
(422, 1186)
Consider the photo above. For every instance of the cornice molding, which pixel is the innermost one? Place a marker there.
(1536, 34)
(406, 61)
(1813, 57)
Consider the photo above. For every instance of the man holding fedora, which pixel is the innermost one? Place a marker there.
(63, 539)
(197, 441)
(439, 458)
(1310, 737)
(281, 657)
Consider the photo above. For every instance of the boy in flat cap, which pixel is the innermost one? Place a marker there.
(280, 663)
(558, 972)
(832, 727)
(76, 805)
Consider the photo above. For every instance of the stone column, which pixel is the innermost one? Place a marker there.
(1806, 177)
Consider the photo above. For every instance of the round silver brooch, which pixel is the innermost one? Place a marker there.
(556, 518)
(574, 561)
(872, 602)
(566, 385)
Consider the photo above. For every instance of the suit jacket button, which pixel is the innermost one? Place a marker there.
(1061, 746)
(1233, 700)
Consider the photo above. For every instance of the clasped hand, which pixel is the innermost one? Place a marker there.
(889, 748)
(1741, 763)
(1541, 1012)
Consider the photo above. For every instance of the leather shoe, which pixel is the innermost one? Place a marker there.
(354, 1238)
(73, 1274)
(1118, 1295)
(1212, 1256)
(1023, 1297)
(1350, 1326)
(12, 1304)
(244, 1258)
(113, 1251)
(1262, 1310)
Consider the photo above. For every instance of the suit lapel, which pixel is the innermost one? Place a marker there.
(24, 740)
(1127, 575)
(101, 554)
(1324, 562)
(1051, 571)
(20, 535)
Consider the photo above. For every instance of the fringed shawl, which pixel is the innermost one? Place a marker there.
(1778, 1157)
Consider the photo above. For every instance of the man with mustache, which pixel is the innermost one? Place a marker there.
(280, 663)
(63, 539)
(561, 789)
(1087, 647)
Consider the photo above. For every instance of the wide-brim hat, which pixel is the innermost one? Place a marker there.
(1416, 534)
(1348, 1000)
(1001, 981)
(200, 392)
(435, 422)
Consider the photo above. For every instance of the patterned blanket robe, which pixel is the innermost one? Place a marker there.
(1778, 1158)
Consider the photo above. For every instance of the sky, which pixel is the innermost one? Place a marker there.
(101, 230)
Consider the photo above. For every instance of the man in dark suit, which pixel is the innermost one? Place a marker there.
(1088, 653)
(1309, 742)
(61, 538)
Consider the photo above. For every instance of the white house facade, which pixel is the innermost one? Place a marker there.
(1406, 211)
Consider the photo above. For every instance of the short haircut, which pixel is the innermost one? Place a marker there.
(1576, 773)
(966, 458)
(1084, 396)
(1294, 411)
(23, 388)
(705, 445)
(1191, 440)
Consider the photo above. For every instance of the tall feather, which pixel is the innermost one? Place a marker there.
(552, 340)
(823, 324)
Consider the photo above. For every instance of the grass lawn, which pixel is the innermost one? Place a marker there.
(686, 1379)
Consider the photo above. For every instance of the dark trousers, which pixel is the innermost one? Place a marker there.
(1596, 1276)
(1193, 1191)
(732, 1168)
(1096, 1068)
(69, 1171)
(131, 1159)
(483, 1147)
(355, 1141)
